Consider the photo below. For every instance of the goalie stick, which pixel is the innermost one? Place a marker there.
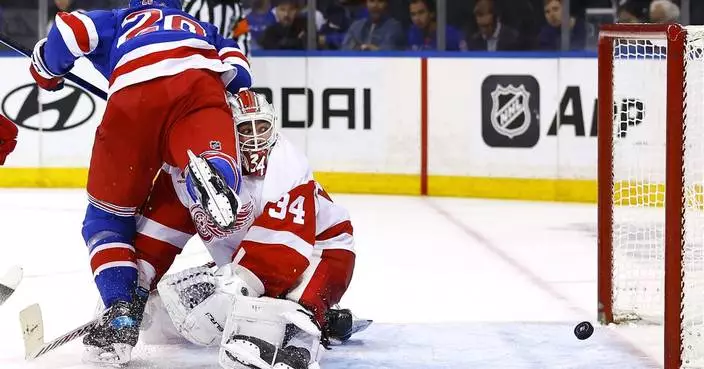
(9, 282)
(69, 76)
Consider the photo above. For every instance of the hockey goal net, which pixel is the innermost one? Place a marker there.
(651, 181)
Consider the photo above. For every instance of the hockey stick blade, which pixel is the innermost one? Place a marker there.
(69, 76)
(9, 282)
(33, 333)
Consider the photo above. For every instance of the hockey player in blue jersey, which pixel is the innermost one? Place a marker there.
(168, 76)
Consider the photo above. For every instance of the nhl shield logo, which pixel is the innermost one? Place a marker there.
(510, 111)
(510, 114)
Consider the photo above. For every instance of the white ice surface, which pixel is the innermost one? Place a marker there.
(450, 283)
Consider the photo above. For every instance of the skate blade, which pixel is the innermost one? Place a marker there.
(117, 357)
(217, 205)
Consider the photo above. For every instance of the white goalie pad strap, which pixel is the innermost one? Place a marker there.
(266, 318)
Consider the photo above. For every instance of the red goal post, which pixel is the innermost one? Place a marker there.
(650, 183)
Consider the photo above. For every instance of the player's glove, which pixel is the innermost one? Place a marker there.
(45, 78)
(8, 138)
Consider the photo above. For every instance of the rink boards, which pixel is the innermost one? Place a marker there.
(504, 127)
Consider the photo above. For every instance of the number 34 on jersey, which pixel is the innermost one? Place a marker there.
(294, 212)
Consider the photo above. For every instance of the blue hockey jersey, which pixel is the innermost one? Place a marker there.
(129, 46)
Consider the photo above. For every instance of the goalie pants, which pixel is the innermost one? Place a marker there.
(144, 126)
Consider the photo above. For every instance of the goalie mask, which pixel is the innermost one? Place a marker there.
(255, 121)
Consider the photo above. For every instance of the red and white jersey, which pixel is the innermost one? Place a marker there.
(286, 221)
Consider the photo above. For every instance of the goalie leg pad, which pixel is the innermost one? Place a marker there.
(267, 333)
(199, 300)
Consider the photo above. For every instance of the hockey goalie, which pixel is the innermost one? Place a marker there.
(267, 301)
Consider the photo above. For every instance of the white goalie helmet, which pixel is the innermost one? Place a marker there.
(255, 121)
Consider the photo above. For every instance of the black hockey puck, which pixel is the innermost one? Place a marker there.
(583, 330)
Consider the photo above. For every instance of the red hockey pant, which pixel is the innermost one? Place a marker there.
(154, 122)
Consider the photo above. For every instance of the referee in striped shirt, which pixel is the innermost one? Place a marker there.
(226, 15)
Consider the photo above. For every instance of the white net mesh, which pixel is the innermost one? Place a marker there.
(640, 73)
(639, 187)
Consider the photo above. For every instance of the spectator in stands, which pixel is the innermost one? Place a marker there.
(376, 32)
(259, 18)
(332, 33)
(355, 9)
(19, 22)
(422, 35)
(631, 12)
(664, 11)
(522, 16)
(550, 37)
(61, 6)
(58, 6)
(289, 31)
(492, 35)
(319, 17)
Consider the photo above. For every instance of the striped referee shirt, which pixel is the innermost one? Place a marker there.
(224, 14)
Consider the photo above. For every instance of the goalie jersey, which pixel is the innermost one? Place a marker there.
(129, 46)
(289, 232)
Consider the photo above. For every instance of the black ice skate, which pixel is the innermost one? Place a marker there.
(341, 324)
(255, 353)
(112, 339)
(217, 199)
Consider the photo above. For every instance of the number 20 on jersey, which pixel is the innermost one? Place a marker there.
(150, 20)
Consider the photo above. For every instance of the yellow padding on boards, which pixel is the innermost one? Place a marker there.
(377, 183)
(43, 177)
(371, 183)
(572, 190)
(398, 184)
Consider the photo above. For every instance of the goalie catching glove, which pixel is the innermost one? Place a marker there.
(199, 299)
